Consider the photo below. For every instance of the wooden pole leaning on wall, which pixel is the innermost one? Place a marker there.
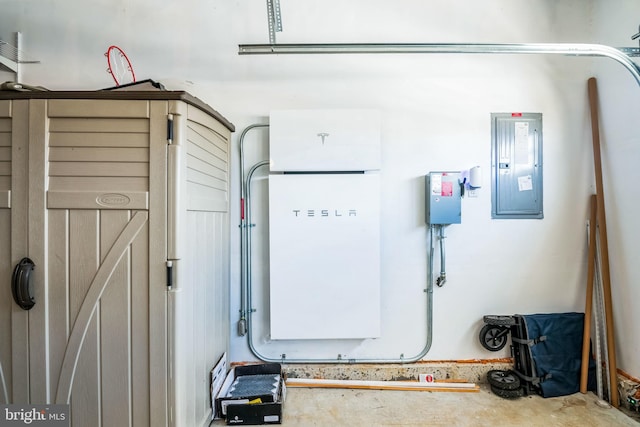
(591, 269)
(602, 227)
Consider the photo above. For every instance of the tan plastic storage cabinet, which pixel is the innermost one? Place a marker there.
(113, 196)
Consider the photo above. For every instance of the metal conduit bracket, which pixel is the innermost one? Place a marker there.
(636, 35)
(274, 19)
(632, 51)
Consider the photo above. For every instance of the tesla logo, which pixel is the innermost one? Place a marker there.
(323, 135)
(312, 213)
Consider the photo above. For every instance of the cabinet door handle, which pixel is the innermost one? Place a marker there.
(22, 284)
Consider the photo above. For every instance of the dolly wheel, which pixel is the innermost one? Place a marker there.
(493, 337)
(508, 394)
(505, 380)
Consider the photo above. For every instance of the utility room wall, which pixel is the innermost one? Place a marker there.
(436, 116)
(435, 113)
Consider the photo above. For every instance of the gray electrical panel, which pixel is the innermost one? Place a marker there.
(443, 198)
(516, 165)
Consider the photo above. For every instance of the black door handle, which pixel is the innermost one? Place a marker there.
(21, 284)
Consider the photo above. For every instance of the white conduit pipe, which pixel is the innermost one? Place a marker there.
(567, 49)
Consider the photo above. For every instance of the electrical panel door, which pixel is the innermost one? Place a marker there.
(516, 186)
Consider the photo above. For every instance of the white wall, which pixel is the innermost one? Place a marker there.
(435, 111)
(619, 112)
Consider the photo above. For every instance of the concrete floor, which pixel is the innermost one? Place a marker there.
(308, 407)
(353, 408)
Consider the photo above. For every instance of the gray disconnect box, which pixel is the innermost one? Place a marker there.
(443, 198)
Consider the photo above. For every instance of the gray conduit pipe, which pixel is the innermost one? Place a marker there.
(440, 281)
(567, 49)
(242, 323)
(249, 310)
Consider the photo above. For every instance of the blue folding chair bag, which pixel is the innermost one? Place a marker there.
(555, 344)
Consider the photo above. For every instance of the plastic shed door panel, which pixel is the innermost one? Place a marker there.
(6, 303)
(6, 267)
(324, 140)
(324, 256)
(5, 154)
(94, 163)
(87, 337)
(516, 165)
